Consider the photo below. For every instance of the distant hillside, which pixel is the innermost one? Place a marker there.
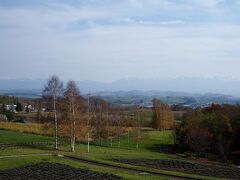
(22, 84)
(26, 93)
(145, 97)
(189, 91)
(188, 85)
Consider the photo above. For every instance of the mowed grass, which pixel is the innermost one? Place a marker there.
(126, 150)
(16, 137)
(97, 153)
(148, 140)
(159, 138)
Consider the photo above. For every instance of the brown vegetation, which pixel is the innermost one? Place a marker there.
(162, 116)
(33, 128)
(215, 129)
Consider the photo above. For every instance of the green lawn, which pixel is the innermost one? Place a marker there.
(126, 150)
(158, 137)
(148, 140)
(15, 137)
(97, 153)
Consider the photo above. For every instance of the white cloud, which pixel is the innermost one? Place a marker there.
(208, 3)
(29, 18)
(59, 14)
(134, 38)
(137, 50)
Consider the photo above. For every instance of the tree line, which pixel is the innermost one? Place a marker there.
(81, 118)
(211, 130)
(67, 101)
(92, 118)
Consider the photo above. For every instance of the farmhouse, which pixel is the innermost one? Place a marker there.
(10, 107)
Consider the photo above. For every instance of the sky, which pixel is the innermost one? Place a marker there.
(106, 40)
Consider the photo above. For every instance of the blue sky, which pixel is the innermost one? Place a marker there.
(106, 40)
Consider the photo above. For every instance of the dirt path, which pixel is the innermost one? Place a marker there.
(176, 177)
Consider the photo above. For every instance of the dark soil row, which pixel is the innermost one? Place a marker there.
(186, 167)
(47, 143)
(53, 171)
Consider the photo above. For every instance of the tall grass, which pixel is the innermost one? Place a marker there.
(33, 128)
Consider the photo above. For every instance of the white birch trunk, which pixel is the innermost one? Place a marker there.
(56, 122)
(88, 143)
(88, 121)
(73, 137)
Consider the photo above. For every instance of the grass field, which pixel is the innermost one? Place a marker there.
(148, 139)
(97, 153)
(32, 128)
(15, 137)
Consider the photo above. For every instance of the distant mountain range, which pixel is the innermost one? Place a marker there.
(145, 98)
(187, 85)
(186, 91)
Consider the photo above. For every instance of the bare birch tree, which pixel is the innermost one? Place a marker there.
(52, 91)
(73, 106)
(88, 122)
(99, 122)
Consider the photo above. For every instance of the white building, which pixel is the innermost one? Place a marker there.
(10, 107)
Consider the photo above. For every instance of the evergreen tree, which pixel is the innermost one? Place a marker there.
(19, 107)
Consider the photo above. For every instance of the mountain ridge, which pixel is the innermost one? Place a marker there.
(185, 85)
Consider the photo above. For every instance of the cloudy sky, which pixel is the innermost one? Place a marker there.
(106, 40)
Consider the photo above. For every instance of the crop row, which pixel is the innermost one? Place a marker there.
(187, 167)
(53, 171)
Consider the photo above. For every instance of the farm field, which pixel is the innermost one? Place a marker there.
(187, 167)
(103, 154)
(53, 171)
